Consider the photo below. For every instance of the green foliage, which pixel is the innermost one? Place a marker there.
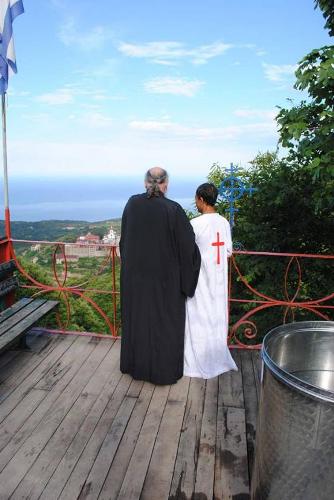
(279, 217)
(307, 129)
(327, 7)
(83, 316)
(283, 214)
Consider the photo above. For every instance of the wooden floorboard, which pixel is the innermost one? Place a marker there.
(183, 482)
(160, 471)
(206, 452)
(135, 475)
(114, 479)
(73, 427)
(231, 465)
(251, 404)
(32, 423)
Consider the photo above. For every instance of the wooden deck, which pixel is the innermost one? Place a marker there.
(72, 426)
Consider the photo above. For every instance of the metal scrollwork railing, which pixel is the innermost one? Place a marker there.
(257, 307)
(67, 285)
(285, 287)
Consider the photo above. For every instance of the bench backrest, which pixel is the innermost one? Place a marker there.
(8, 282)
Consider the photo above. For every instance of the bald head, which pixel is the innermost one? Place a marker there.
(156, 181)
(157, 172)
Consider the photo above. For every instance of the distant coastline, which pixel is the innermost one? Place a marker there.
(85, 199)
(58, 230)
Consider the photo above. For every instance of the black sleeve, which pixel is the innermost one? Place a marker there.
(189, 255)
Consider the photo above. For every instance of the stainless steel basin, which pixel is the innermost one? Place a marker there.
(294, 455)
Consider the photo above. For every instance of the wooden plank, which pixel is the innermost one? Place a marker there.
(23, 361)
(36, 343)
(82, 347)
(122, 458)
(28, 377)
(78, 353)
(135, 475)
(183, 482)
(160, 472)
(21, 327)
(54, 374)
(206, 457)
(107, 452)
(16, 469)
(76, 445)
(12, 424)
(39, 474)
(21, 314)
(231, 465)
(8, 285)
(251, 403)
(230, 385)
(77, 479)
(12, 310)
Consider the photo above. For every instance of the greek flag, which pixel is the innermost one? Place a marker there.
(9, 10)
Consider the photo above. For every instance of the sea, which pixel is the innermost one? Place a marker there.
(86, 198)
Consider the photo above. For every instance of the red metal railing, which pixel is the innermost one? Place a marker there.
(292, 294)
(59, 283)
(255, 304)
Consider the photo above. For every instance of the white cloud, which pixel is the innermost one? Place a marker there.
(70, 35)
(170, 52)
(70, 91)
(169, 129)
(59, 97)
(96, 119)
(159, 126)
(184, 158)
(106, 68)
(103, 149)
(261, 52)
(256, 113)
(164, 62)
(14, 93)
(176, 86)
(279, 73)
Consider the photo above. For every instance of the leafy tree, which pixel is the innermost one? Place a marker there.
(307, 129)
(83, 316)
(327, 8)
(278, 217)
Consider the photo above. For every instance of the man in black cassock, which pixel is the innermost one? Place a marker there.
(160, 263)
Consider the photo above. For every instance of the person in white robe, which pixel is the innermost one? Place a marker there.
(206, 352)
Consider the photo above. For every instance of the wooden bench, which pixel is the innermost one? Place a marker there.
(17, 319)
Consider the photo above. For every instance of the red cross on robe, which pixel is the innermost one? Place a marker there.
(218, 244)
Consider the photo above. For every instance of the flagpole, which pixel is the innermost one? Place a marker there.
(5, 171)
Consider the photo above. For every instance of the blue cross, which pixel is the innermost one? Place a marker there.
(231, 189)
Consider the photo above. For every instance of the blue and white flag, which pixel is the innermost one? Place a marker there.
(9, 10)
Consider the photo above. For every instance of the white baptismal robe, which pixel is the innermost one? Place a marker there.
(206, 354)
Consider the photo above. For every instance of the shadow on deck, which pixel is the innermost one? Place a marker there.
(72, 426)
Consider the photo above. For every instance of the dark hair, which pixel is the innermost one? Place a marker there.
(153, 180)
(208, 192)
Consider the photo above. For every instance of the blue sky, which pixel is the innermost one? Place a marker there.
(110, 87)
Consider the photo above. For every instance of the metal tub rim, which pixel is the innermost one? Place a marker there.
(284, 375)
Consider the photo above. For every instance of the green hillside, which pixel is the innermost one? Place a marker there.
(59, 230)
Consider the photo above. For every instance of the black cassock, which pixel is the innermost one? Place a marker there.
(160, 263)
